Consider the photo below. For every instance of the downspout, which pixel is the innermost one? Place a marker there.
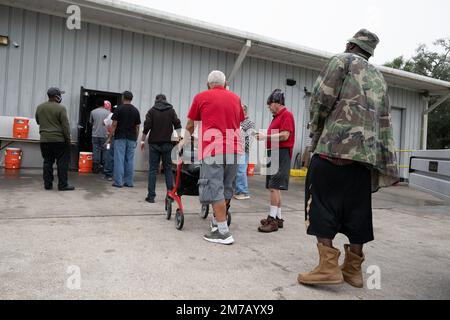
(240, 60)
(424, 130)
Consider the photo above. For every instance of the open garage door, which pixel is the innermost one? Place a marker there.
(88, 98)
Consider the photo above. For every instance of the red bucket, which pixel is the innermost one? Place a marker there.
(13, 158)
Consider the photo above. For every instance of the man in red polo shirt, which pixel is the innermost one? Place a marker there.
(281, 131)
(220, 114)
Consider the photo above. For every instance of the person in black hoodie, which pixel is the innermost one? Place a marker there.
(160, 121)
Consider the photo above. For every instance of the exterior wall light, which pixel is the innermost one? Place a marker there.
(291, 82)
(4, 41)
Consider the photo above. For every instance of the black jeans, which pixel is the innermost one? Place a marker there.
(157, 153)
(59, 151)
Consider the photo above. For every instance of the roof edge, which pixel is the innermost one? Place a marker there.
(318, 58)
(255, 38)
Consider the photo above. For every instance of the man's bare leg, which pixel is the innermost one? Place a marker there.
(357, 249)
(220, 211)
(275, 198)
(326, 242)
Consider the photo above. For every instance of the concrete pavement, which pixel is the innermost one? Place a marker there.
(126, 249)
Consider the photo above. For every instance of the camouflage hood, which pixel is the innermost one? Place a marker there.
(350, 117)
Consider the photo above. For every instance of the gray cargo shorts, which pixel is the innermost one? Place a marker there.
(217, 179)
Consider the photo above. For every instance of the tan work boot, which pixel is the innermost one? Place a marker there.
(327, 272)
(351, 269)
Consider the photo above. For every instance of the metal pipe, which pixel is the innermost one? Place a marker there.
(437, 104)
(424, 131)
(240, 59)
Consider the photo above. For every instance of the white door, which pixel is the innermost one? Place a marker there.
(397, 126)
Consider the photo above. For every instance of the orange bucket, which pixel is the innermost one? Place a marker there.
(21, 128)
(85, 162)
(250, 170)
(13, 157)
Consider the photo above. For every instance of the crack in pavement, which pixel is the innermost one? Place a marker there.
(280, 267)
(119, 216)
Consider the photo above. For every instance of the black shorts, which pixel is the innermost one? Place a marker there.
(338, 199)
(279, 180)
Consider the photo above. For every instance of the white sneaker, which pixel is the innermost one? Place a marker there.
(242, 197)
(217, 237)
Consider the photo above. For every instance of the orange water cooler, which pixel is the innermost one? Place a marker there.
(85, 163)
(21, 128)
(13, 158)
(251, 169)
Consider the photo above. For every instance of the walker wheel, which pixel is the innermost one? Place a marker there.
(179, 219)
(205, 211)
(168, 206)
(228, 218)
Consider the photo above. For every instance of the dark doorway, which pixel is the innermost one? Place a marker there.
(88, 98)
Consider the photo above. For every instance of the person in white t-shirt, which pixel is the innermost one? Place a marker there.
(109, 162)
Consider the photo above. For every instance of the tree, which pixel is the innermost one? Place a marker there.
(401, 63)
(436, 65)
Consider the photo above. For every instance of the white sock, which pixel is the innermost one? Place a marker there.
(214, 221)
(279, 213)
(273, 211)
(223, 227)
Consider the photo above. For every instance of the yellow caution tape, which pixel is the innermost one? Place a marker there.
(405, 151)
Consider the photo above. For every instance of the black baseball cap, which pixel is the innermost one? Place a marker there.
(54, 91)
(127, 95)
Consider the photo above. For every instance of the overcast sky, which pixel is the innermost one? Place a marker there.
(325, 24)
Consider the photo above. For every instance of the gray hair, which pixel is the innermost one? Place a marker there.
(216, 78)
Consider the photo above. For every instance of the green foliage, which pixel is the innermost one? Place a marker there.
(435, 64)
(439, 128)
(401, 63)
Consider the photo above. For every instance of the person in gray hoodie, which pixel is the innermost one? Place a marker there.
(161, 120)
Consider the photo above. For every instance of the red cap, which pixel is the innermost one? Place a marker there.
(107, 105)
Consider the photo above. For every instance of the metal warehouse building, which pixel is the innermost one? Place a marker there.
(122, 46)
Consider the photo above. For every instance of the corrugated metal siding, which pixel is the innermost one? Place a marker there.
(258, 78)
(412, 105)
(52, 55)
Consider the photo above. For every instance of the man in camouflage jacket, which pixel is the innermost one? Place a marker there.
(354, 155)
(350, 116)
